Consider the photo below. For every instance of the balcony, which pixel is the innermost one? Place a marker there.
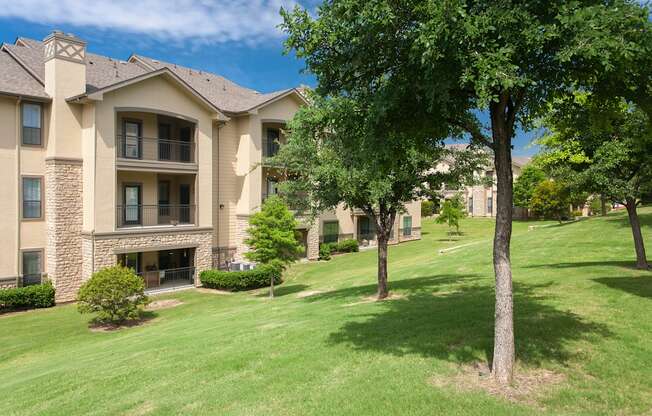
(155, 149)
(128, 216)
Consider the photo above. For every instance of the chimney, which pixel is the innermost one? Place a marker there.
(65, 65)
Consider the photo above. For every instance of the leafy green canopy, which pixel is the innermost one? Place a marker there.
(524, 186)
(434, 61)
(272, 235)
(336, 157)
(603, 147)
(550, 199)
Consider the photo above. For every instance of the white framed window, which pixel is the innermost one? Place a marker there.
(31, 121)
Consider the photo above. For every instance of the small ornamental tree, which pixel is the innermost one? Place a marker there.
(452, 212)
(115, 294)
(526, 183)
(550, 199)
(272, 237)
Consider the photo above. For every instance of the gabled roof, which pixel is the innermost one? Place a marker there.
(15, 80)
(98, 93)
(226, 95)
(103, 72)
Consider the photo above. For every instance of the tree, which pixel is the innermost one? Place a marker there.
(452, 212)
(459, 59)
(337, 155)
(606, 148)
(550, 199)
(524, 186)
(272, 237)
(427, 208)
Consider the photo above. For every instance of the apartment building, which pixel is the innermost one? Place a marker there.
(140, 162)
(480, 200)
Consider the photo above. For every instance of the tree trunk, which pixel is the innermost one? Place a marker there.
(603, 206)
(271, 288)
(504, 350)
(384, 221)
(639, 245)
(383, 291)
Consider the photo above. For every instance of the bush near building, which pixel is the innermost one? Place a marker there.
(115, 294)
(242, 280)
(345, 246)
(28, 297)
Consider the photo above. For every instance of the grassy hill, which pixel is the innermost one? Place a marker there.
(582, 314)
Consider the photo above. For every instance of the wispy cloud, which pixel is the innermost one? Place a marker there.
(204, 21)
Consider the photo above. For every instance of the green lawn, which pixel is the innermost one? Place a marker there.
(580, 311)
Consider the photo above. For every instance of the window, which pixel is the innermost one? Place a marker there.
(365, 228)
(132, 148)
(331, 231)
(132, 206)
(471, 205)
(32, 195)
(272, 144)
(271, 187)
(32, 267)
(490, 205)
(164, 198)
(32, 124)
(407, 226)
(489, 174)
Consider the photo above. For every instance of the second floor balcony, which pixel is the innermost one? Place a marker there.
(137, 215)
(155, 149)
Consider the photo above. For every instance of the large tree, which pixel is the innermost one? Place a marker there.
(337, 154)
(459, 59)
(604, 147)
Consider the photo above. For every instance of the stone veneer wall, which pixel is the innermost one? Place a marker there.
(64, 220)
(108, 246)
(87, 256)
(313, 241)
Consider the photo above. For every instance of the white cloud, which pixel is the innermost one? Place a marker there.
(210, 21)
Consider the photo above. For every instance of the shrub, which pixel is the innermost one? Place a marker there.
(325, 251)
(348, 246)
(35, 296)
(115, 294)
(427, 208)
(576, 213)
(261, 276)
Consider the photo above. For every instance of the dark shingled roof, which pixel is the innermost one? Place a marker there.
(102, 72)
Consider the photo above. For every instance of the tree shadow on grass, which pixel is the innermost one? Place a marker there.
(282, 290)
(404, 286)
(571, 265)
(623, 220)
(639, 286)
(457, 326)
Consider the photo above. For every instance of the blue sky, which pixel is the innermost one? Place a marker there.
(242, 44)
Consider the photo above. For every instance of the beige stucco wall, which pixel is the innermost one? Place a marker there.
(9, 199)
(143, 100)
(17, 161)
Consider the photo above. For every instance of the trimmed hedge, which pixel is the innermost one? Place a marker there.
(261, 276)
(348, 246)
(28, 297)
(344, 246)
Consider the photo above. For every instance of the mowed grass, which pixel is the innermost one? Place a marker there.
(581, 311)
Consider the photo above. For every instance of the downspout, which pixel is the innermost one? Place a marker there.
(94, 190)
(217, 189)
(18, 190)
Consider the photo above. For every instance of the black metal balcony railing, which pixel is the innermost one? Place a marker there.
(168, 278)
(151, 215)
(148, 148)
